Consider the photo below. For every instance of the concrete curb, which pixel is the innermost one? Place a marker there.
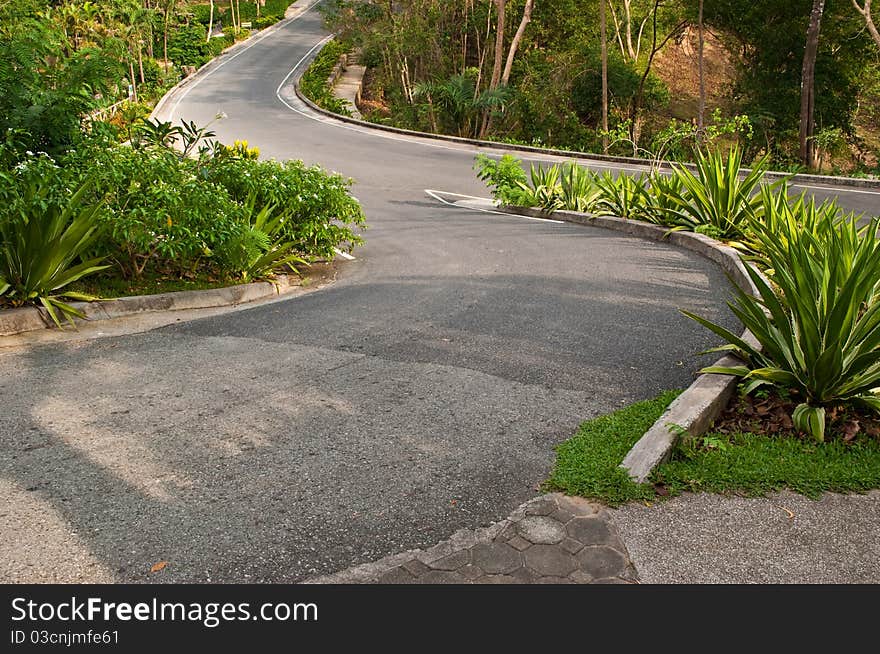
(853, 182)
(693, 411)
(25, 319)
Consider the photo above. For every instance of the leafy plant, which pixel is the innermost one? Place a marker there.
(40, 251)
(505, 177)
(578, 190)
(661, 198)
(622, 196)
(717, 196)
(260, 247)
(820, 337)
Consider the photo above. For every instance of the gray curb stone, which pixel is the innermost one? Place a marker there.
(693, 411)
(25, 319)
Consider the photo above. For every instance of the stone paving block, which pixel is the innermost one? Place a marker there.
(470, 572)
(496, 558)
(524, 576)
(415, 567)
(518, 543)
(550, 561)
(571, 545)
(591, 531)
(576, 505)
(562, 515)
(543, 506)
(397, 576)
(581, 577)
(602, 561)
(453, 561)
(541, 530)
(508, 532)
(440, 577)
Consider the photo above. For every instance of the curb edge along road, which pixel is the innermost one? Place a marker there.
(26, 319)
(694, 410)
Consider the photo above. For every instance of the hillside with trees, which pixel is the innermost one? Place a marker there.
(796, 79)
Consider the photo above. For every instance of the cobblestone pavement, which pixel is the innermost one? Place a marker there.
(553, 539)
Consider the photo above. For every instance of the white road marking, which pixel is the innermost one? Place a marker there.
(257, 40)
(836, 189)
(436, 195)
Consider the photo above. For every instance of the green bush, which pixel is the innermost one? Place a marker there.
(314, 81)
(322, 213)
(187, 46)
(819, 334)
(505, 177)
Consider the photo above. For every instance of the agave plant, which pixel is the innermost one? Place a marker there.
(577, 188)
(40, 251)
(544, 187)
(820, 336)
(622, 196)
(716, 197)
(260, 248)
(662, 195)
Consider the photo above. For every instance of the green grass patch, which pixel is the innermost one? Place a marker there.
(746, 464)
(148, 284)
(588, 463)
(754, 465)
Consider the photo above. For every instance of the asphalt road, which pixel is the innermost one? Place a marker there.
(420, 394)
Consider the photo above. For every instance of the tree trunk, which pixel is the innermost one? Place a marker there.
(701, 113)
(865, 11)
(517, 38)
(210, 23)
(603, 32)
(808, 72)
(501, 6)
(141, 62)
(134, 90)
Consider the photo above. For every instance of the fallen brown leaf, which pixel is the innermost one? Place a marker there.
(156, 567)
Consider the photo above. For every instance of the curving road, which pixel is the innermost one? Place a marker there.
(420, 394)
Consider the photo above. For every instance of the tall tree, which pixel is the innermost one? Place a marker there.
(701, 63)
(865, 10)
(603, 36)
(517, 39)
(808, 87)
(210, 23)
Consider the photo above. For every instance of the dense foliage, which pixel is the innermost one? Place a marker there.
(431, 63)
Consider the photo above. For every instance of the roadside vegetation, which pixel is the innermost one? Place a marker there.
(91, 203)
(729, 461)
(816, 315)
(796, 81)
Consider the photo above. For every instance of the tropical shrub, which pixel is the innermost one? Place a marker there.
(259, 247)
(322, 214)
(313, 83)
(505, 178)
(622, 196)
(578, 190)
(819, 328)
(716, 197)
(41, 248)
